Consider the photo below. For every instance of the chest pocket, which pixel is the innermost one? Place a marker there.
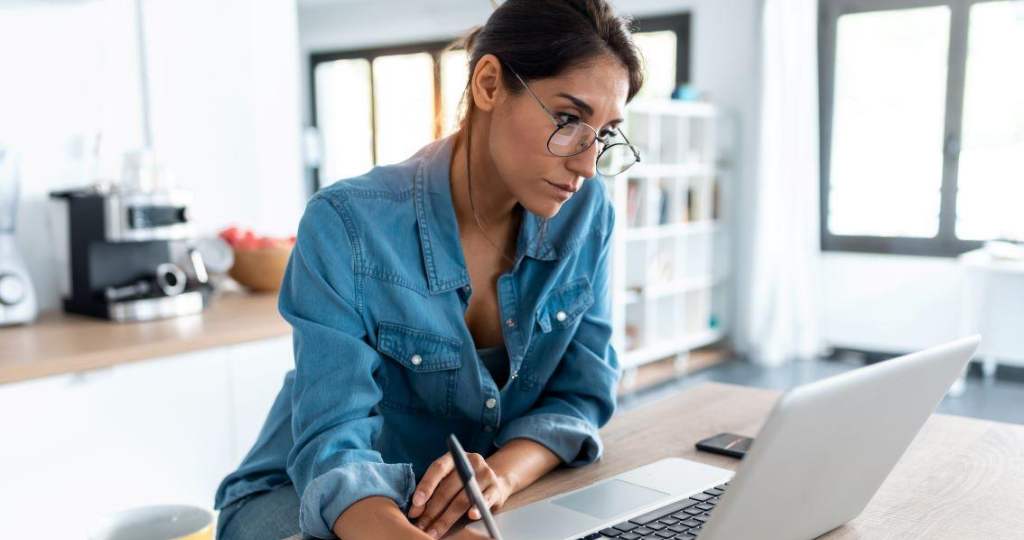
(565, 305)
(422, 374)
(557, 317)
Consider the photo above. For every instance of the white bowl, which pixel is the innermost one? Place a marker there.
(165, 522)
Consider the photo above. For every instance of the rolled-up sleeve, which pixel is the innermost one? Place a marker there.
(579, 397)
(333, 463)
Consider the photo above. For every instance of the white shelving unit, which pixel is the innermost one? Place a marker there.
(670, 249)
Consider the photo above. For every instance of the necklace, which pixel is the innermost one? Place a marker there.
(469, 185)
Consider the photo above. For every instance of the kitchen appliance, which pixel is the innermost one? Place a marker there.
(17, 297)
(125, 254)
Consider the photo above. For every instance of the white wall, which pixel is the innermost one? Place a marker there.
(225, 95)
(67, 70)
(224, 79)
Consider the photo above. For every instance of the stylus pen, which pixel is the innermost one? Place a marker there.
(472, 488)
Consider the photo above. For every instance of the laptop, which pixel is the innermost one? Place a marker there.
(819, 458)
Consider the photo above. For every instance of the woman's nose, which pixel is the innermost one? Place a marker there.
(584, 164)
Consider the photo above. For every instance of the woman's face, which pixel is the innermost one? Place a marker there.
(594, 93)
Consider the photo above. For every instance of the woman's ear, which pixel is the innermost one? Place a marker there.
(486, 83)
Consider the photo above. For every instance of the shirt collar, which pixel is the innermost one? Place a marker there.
(438, 227)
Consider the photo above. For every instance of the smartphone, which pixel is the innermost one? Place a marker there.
(727, 444)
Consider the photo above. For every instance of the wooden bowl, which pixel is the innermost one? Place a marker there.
(262, 269)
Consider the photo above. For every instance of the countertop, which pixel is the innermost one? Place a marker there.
(59, 343)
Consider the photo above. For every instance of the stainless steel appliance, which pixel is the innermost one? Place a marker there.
(17, 296)
(125, 255)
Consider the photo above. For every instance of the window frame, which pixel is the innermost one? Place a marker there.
(678, 22)
(945, 243)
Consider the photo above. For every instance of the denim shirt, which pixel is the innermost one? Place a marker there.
(376, 292)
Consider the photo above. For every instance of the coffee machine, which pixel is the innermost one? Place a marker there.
(17, 297)
(125, 254)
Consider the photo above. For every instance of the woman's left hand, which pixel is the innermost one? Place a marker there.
(440, 500)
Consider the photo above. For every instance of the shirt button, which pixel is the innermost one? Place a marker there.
(511, 323)
(416, 359)
(561, 316)
(490, 403)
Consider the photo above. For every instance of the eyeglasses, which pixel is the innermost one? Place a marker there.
(572, 136)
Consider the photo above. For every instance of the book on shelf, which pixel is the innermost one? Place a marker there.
(633, 203)
(716, 195)
(690, 212)
(632, 337)
(663, 267)
(663, 204)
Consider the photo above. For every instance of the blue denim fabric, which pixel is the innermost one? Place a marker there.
(376, 292)
(271, 515)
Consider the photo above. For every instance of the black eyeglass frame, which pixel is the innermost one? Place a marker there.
(597, 136)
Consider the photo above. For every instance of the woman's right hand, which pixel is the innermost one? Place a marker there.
(376, 517)
(467, 534)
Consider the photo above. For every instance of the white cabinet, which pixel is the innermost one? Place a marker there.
(256, 371)
(994, 307)
(75, 447)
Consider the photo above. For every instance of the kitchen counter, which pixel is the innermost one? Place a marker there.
(60, 343)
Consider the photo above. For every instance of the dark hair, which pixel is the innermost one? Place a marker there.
(545, 38)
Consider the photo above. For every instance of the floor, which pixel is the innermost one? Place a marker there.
(1001, 399)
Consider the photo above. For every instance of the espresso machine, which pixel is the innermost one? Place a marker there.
(17, 297)
(126, 255)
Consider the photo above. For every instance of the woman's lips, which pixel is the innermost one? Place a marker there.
(563, 190)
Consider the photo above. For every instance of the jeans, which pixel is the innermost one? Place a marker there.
(271, 515)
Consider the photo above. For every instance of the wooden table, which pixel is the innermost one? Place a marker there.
(61, 343)
(961, 478)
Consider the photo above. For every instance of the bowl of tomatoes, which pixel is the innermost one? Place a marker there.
(260, 261)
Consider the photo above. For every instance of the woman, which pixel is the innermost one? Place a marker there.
(462, 291)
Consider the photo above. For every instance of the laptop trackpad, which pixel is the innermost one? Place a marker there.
(609, 499)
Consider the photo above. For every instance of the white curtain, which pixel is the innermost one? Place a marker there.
(783, 315)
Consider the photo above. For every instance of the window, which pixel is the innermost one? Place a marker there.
(991, 166)
(345, 117)
(372, 106)
(922, 116)
(664, 43)
(379, 106)
(404, 116)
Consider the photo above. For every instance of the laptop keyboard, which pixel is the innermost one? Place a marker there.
(681, 520)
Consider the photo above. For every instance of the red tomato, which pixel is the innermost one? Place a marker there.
(230, 235)
(266, 242)
(247, 242)
(245, 239)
